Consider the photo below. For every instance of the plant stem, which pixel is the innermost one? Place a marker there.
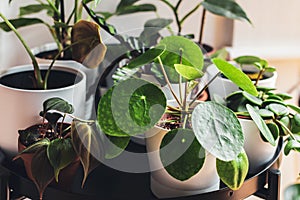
(204, 88)
(37, 72)
(286, 128)
(259, 75)
(189, 13)
(168, 82)
(202, 26)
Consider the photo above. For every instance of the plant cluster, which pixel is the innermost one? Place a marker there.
(270, 113)
(82, 38)
(134, 106)
(56, 144)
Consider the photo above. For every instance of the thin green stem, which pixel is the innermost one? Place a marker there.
(204, 88)
(37, 72)
(286, 128)
(190, 13)
(259, 75)
(168, 81)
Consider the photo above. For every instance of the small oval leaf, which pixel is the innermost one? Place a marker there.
(233, 173)
(188, 72)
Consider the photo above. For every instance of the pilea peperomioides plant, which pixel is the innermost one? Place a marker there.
(134, 106)
(54, 145)
(270, 113)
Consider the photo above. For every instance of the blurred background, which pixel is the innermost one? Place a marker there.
(274, 35)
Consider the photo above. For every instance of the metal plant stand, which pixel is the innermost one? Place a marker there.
(109, 184)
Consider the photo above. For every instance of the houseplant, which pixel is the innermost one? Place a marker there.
(53, 149)
(264, 118)
(258, 70)
(133, 106)
(27, 91)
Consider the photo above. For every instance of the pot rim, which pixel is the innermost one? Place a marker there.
(29, 67)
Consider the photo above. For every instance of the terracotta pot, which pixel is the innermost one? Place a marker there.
(66, 175)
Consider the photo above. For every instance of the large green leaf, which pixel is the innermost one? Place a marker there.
(36, 8)
(218, 130)
(146, 57)
(59, 104)
(236, 76)
(261, 124)
(60, 153)
(233, 173)
(181, 154)
(42, 170)
(136, 8)
(188, 72)
(226, 8)
(130, 108)
(180, 50)
(124, 3)
(87, 145)
(291, 145)
(20, 22)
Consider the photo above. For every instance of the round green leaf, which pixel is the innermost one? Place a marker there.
(236, 76)
(264, 89)
(60, 153)
(274, 96)
(278, 109)
(131, 107)
(253, 99)
(261, 125)
(181, 154)
(188, 72)
(218, 130)
(271, 101)
(274, 129)
(295, 108)
(284, 96)
(179, 46)
(265, 113)
(285, 120)
(233, 173)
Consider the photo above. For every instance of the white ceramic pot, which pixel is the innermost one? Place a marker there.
(259, 152)
(20, 107)
(164, 185)
(92, 75)
(222, 87)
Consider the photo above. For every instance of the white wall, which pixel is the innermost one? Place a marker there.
(275, 32)
(12, 53)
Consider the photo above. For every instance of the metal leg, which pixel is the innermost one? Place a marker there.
(274, 184)
(4, 176)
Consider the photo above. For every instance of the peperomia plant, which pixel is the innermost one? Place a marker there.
(85, 38)
(134, 106)
(55, 144)
(261, 65)
(270, 113)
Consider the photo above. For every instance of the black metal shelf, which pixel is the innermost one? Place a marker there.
(109, 184)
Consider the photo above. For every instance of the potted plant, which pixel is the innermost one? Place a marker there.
(264, 118)
(199, 129)
(53, 149)
(23, 89)
(60, 27)
(258, 70)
